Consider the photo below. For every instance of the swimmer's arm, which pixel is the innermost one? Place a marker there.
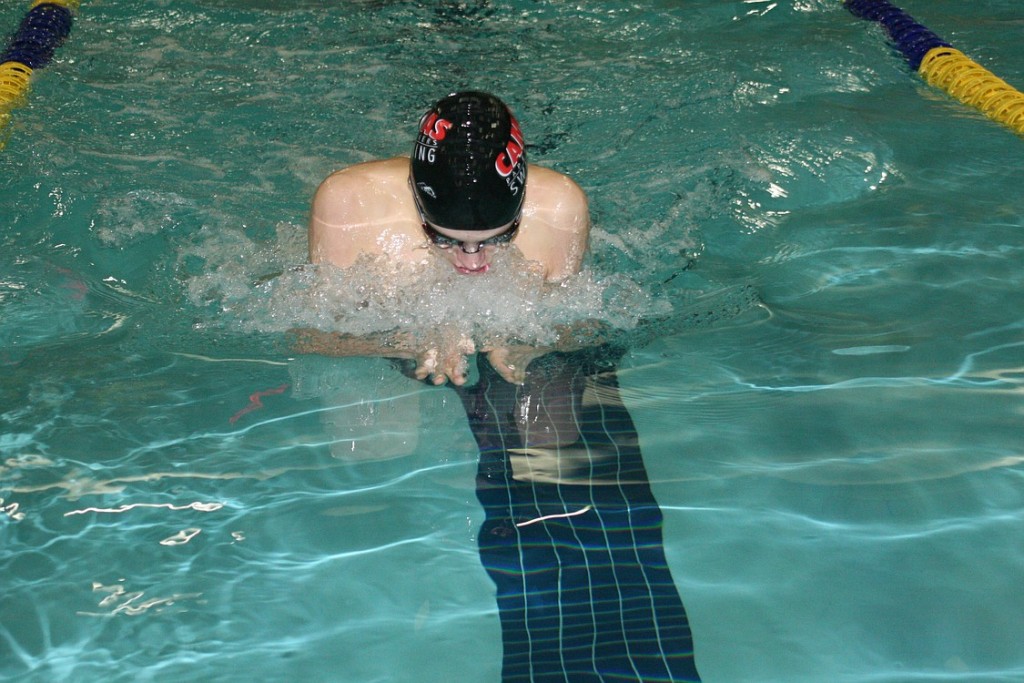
(327, 217)
(567, 230)
(383, 345)
(438, 364)
(568, 249)
(344, 220)
(556, 224)
(582, 334)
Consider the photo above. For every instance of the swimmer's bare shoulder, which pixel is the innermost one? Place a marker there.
(556, 223)
(365, 209)
(368, 209)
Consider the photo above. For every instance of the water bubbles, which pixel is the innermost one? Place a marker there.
(266, 288)
(121, 218)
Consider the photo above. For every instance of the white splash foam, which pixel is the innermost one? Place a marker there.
(258, 288)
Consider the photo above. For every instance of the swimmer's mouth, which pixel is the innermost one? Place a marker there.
(479, 271)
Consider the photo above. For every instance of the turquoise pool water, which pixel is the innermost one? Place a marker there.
(829, 411)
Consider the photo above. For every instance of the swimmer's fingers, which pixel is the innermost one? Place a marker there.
(426, 363)
(498, 358)
(511, 366)
(453, 368)
(450, 368)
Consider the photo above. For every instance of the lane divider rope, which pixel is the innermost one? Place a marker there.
(43, 28)
(945, 67)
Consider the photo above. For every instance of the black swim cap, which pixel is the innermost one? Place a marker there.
(469, 163)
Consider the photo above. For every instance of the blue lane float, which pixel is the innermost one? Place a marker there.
(44, 27)
(911, 38)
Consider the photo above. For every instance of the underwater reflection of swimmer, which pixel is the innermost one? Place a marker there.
(387, 421)
(380, 425)
(573, 535)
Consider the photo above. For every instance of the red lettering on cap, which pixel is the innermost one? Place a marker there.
(506, 161)
(434, 127)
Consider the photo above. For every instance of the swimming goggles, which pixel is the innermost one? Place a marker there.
(445, 242)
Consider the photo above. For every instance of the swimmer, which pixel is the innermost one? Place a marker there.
(466, 192)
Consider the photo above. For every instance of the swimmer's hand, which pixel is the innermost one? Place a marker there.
(445, 362)
(512, 361)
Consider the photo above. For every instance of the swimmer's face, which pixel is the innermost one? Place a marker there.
(470, 251)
